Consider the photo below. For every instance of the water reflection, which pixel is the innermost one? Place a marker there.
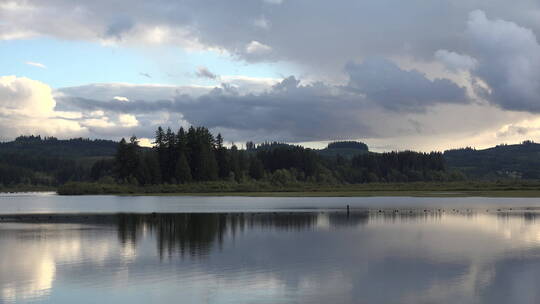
(392, 256)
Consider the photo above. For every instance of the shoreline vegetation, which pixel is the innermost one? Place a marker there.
(195, 162)
(262, 189)
(27, 189)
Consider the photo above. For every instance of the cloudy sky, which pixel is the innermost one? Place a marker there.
(423, 75)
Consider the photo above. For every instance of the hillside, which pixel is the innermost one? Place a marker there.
(50, 161)
(53, 147)
(520, 161)
(346, 149)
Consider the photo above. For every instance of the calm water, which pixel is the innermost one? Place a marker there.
(312, 253)
(51, 203)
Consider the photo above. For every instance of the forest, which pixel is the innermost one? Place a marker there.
(193, 157)
(48, 161)
(196, 155)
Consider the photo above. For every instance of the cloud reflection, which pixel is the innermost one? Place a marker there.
(300, 257)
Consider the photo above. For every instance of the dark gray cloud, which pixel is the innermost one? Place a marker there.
(508, 62)
(317, 33)
(293, 111)
(384, 82)
(119, 27)
(321, 36)
(497, 45)
(204, 72)
(287, 111)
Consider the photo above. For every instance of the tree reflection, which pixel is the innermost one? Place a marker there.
(195, 234)
(341, 219)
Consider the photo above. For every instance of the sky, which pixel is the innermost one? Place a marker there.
(420, 75)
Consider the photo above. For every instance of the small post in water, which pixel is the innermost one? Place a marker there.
(348, 210)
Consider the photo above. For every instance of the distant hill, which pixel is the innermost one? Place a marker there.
(265, 146)
(48, 161)
(520, 161)
(347, 149)
(65, 148)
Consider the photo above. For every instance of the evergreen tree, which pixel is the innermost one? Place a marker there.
(235, 163)
(219, 141)
(161, 149)
(171, 154)
(149, 172)
(256, 169)
(183, 172)
(127, 159)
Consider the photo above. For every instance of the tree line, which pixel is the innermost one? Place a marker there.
(196, 155)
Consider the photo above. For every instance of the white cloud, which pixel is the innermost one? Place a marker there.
(494, 50)
(24, 96)
(146, 142)
(98, 123)
(28, 106)
(36, 64)
(121, 98)
(257, 48)
(288, 111)
(128, 120)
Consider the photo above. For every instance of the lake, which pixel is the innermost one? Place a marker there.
(114, 249)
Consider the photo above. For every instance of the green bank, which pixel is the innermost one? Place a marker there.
(446, 189)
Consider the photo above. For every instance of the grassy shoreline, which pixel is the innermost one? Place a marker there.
(445, 189)
(503, 194)
(27, 188)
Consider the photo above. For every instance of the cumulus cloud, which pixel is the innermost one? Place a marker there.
(28, 106)
(396, 89)
(128, 120)
(510, 130)
(31, 107)
(295, 112)
(493, 50)
(527, 128)
(508, 61)
(317, 33)
(289, 110)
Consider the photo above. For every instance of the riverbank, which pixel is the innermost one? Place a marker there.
(445, 189)
(26, 189)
